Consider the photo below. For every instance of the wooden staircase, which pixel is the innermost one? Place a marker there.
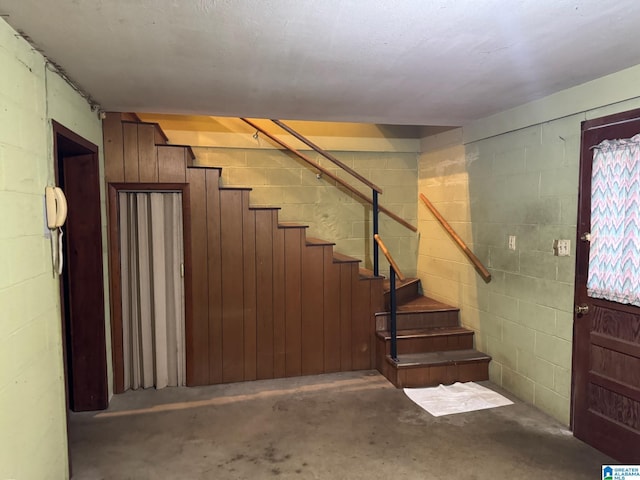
(264, 300)
(432, 346)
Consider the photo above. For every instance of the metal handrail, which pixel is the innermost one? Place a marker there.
(327, 155)
(480, 268)
(326, 172)
(393, 271)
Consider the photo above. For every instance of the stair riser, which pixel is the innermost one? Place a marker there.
(415, 320)
(431, 376)
(404, 293)
(428, 344)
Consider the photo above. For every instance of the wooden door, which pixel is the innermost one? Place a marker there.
(606, 344)
(83, 286)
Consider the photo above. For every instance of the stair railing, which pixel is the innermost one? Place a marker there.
(393, 271)
(375, 190)
(480, 268)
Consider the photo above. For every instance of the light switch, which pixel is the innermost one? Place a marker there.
(512, 242)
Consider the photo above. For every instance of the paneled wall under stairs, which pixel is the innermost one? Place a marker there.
(263, 300)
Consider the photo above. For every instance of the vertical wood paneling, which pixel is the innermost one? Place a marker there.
(376, 304)
(312, 310)
(264, 293)
(215, 276)
(360, 338)
(249, 266)
(232, 286)
(172, 163)
(113, 148)
(331, 313)
(294, 243)
(159, 136)
(263, 303)
(130, 150)
(346, 275)
(198, 334)
(147, 155)
(279, 319)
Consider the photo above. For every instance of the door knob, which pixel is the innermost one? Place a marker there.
(582, 309)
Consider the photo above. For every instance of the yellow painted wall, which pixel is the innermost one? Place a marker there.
(515, 173)
(33, 443)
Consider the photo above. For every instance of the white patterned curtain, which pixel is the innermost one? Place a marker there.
(614, 256)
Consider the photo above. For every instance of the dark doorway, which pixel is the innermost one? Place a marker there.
(606, 343)
(82, 288)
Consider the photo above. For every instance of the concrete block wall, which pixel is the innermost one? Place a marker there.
(33, 441)
(491, 184)
(279, 179)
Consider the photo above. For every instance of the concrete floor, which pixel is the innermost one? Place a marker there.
(340, 426)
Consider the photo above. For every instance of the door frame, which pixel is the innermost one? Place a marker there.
(115, 280)
(66, 145)
(592, 133)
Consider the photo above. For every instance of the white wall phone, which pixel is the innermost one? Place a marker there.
(56, 207)
(56, 210)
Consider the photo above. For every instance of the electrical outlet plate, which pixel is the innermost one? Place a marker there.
(512, 242)
(562, 247)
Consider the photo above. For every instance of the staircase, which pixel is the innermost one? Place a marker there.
(264, 300)
(432, 346)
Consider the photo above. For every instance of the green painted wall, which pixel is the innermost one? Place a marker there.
(33, 443)
(515, 173)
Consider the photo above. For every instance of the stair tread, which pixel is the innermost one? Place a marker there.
(264, 207)
(425, 304)
(422, 304)
(449, 357)
(317, 242)
(206, 167)
(425, 332)
(291, 225)
(244, 189)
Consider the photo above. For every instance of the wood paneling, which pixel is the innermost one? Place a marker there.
(215, 276)
(147, 155)
(232, 286)
(360, 325)
(312, 310)
(113, 145)
(346, 276)
(279, 306)
(331, 321)
(265, 301)
(198, 335)
(264, 293)
(130, 152)
(294, 241)
(172, 163)
(249, 280)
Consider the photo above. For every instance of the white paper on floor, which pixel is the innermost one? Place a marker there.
(456, 398)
